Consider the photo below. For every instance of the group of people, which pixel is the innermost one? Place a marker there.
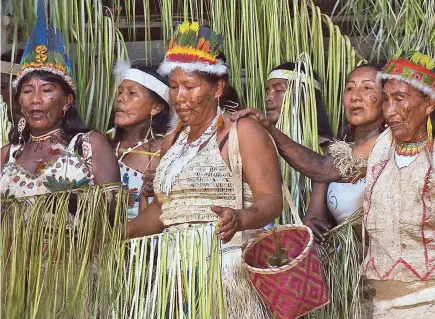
(185, 151)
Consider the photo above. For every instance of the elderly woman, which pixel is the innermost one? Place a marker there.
(198, 177)
(141, 117)
(50, 148)
(399, 200)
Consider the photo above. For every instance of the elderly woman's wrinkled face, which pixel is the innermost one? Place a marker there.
(275, 91)
(43, 104)
(133, 104)
(193, 98)
(406, 110)
(362, 97)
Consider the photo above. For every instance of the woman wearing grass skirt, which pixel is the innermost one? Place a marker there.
(51, 149)
(141, 118)
(200, 178)
(399, 199)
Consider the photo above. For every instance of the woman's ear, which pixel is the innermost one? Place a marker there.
(430, 106)
(156, 109)
(220, 88)
(68, 101)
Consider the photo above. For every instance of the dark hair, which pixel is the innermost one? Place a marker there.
(161, 120)
(71, 124)
(229, 99)
(323, 127)
(377, 66)
(348, 133)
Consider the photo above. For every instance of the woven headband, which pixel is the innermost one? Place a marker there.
(291, 75)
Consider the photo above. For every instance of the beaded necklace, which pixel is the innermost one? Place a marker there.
(42, 138)
(410, 148)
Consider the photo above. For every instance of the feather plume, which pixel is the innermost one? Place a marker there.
(121, 67)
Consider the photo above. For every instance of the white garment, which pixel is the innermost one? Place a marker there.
(133, 180)
(344, 199)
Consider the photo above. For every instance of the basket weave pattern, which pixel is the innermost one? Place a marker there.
(296, 288)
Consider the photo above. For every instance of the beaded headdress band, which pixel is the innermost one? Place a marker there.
(44, 51)
(414, 68)
(194, 48)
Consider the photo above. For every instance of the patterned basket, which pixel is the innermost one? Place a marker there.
(298, 287)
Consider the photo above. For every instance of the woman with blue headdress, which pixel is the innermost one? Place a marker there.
(50, 147)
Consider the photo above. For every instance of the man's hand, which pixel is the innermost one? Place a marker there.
(253, 113)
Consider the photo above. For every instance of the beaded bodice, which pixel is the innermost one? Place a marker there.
(206, 180)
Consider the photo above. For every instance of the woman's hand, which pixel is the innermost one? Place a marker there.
(229, 222)
(319, 228)
(253, 113)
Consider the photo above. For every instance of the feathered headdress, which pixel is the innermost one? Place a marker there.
(45, 51)
(194, 48)
(414, 68)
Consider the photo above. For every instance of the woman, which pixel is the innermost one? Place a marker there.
(50, 149)
(399, 199)
(194, 183)
(141, 119)
(362, 100)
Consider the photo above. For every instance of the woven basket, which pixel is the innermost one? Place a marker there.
(296, 288)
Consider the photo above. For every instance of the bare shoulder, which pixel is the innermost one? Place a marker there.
(97, 138)
(250, 130)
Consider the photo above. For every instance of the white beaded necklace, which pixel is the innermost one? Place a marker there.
(131, 148)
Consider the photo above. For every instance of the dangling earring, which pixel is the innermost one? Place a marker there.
(220, 120)
(429, 135)
(150, 130)
(21, 126)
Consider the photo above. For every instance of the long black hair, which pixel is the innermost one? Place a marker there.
(323, 127)
(71, 122)
(160, 121)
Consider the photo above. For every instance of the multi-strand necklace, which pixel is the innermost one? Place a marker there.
(43, 138)
(410, 148)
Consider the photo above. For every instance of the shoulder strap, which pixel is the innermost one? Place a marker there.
(236, 164)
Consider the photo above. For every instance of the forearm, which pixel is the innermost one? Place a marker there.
(146, 223)
(319, 168)
(318, 207)
(263, 211)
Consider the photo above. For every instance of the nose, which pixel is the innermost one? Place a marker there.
(36, 97)
(269, 97)
(119, 98)
(179, 95)
(388, 109)
(356, 95)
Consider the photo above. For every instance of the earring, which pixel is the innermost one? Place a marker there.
(219, 104)
(150, 130)
(21, 126)
(429, 135)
